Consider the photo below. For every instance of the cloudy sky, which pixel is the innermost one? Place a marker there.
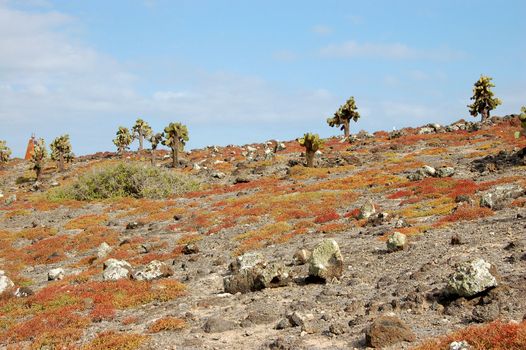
(242, 71)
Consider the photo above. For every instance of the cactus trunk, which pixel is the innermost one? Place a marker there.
(346, 131)
(39, 173)
(61, 162)
(175, 154)
(485, 114)
(141, 139)
(153, 157)
(309, 155)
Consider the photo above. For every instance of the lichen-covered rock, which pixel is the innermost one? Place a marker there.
(116, 269)
(366, 210)
(471, 277)
(5, 282)
(326, 261)
(245, 260)
(386, 331)
(446, 171)
(154, 270)
(495, 197)
(55, 274)
(396, 241)
(251, 278)
(301, 257)
(428, 170)
(459, 345)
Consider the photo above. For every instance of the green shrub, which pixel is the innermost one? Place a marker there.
(125, 180)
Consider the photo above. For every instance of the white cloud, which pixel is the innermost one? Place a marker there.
(321, 29)
(390, 51)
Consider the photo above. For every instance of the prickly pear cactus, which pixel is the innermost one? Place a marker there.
(155, 139)
(312, 143)
(483, 98)
(61, 151)
(38, 157)
(141, 130)
(5, 152)
(344, 115)
(522, 118)
(123, 139)
(176, 136)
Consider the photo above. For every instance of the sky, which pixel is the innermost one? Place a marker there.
(240, 71)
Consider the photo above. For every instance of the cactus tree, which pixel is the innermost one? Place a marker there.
(483, 98)
(176, 135)
(123, 139)
(38, 157)
(5, 152)
(61, 151)
(141, 130)
(312, 143)
(344, 115)
(155, 139)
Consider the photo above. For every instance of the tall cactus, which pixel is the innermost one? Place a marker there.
(5, 152)
(344, 115)
(38, 157)
(176, 136)
(123, 139)
(483, 98)
(141, 130)
(155, 139)
(61, 151)
(312, 143)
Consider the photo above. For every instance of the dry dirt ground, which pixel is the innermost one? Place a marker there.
(274, 207)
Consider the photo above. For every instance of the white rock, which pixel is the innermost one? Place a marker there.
(55, 274)
(103, 250)
(251, 149)
(154, 270)
(459, 345)
(471, 277)
(5, 282)
(116, 269)
(396, 241)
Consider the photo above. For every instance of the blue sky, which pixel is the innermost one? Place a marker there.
(244, 71)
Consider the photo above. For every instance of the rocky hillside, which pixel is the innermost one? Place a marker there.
(395, 240)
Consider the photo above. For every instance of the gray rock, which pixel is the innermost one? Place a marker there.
(256, 277)
(283, 324)
(218, 175)
(103, 250)
(218, 325)
(55, 274)
(445, 172)
(426, 130)
(428, 170)
(5, 282)
(23, 292)
(245, 261)
(326, 261)
(495, 197)
(154, 270)
(190, 248)
(396, 241)
(416, 176)
(459, 345)
(116, 269)
(471, 277)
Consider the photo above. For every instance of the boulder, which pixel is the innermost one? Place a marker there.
(301, 257)
(426, 130)
(5, 282)
(386, 331)
(116, 269)
(428, 170)
(396, 241)
(23, 292)
(495, 197)
(190, 248)
(218, 325)
(459, 345)
(257, 277)
(472, 277)
(55, 274)
(154, 270)
(366, 210)
(445, 171)
(245, 261)
(326, 261)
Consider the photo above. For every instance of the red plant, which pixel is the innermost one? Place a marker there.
(327, 216)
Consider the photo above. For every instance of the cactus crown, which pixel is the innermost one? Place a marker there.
(311, 142)
(346, 112)
(123, 139)
(5, 152)
(39, 154)
(141, 128)
(61, 147)
(176, 135)
(483, 96)
(155, 139)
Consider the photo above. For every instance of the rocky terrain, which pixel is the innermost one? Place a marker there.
(391, 241)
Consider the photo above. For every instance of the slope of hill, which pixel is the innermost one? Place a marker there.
(250, 200)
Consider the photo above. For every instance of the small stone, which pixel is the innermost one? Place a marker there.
(218, 175)
(459, 345)
(55, 274)
(133, 225)
(23, 292)
(326, 261)
(471, 277)
(396, 241)
(366, 210)
(337, 328)
(190, 248)
(456, 240)
(386, 331)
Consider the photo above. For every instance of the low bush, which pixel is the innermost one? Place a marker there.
(125, 180)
